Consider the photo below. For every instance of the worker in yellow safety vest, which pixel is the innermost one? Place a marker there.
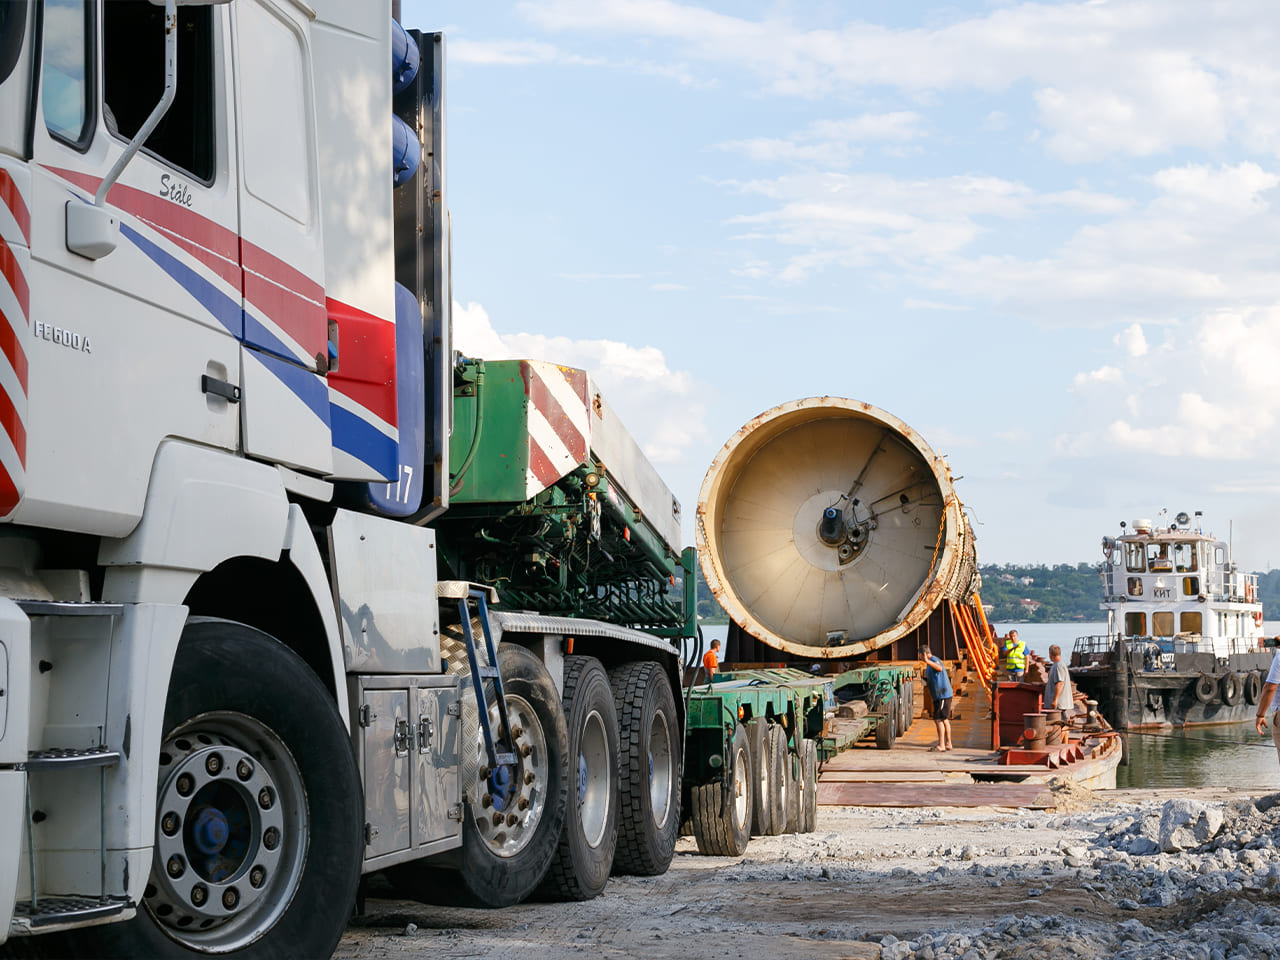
(1015, 656)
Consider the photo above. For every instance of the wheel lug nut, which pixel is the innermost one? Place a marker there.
(497, 819)
(266, 798)
(524, 803)
(257, 877)
(512, 819)
(487, 800)
(244, 769)
(199, 894)
(517, 731)
(529, 777)
(230, 897)
(169, 823)
(271, 839)
(176, 867)
(213, 764)
(484, 773)
(525, 750)
(186, 783)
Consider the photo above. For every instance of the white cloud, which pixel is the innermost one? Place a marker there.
(1176, 73)
(1101, 375)
(1132, 341)
(664, 409)
(1205, 393)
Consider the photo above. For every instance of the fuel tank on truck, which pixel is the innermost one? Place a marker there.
(828, 528)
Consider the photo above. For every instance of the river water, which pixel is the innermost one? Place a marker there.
(1232, 755)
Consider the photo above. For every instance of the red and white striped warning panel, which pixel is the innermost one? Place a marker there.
(559, 424)
(15, 302)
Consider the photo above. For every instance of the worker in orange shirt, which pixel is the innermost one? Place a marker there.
(710, 661)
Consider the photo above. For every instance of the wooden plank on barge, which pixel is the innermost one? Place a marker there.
(1032, 795)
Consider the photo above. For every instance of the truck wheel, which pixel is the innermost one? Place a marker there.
(722, 824)
(648, 768)
(777, 780)
(259, 810)
(758, 744)
(505, 851)
(791, 767)
(585, 854)
(885, 732)
(809, 786)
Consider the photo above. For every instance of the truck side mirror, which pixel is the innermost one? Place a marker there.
(92, 230)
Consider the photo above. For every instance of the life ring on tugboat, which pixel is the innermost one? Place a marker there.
(1257, 617)
(1206, 688)
(1231, 688)
(1252, 686)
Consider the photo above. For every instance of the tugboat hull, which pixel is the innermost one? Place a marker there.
(1135, 690)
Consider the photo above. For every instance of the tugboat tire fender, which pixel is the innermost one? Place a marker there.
(1231, 689)
(1205, 688)
(1252, 686)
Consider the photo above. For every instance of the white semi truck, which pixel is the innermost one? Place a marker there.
(254, 510)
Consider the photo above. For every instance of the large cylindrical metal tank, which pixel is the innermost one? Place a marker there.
(828, 528)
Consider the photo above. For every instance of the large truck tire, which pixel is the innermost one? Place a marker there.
(584, 857)
(886, 728)
(500, 864)
(256, 756)
(722, 822)
(809, 786)
(777, 780)
(794, 778)
(758, 744)
(649, 761)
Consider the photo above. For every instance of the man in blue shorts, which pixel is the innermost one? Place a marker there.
(939, 684)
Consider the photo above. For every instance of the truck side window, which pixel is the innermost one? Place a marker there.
(64, 76)
(13, 24)
(133, 78)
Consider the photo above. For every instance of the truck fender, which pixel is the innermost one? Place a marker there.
(203, 507)
(301, 551)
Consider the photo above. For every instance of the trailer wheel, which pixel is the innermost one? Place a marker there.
(722, 823)
(795, 788)
(259, 810)
(777, 780)
(585, 854)
(758, 744)
(501, 862)
(649, 762)
(809, 786)
(886, 733)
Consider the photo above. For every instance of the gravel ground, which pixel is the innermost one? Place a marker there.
(1191, 875)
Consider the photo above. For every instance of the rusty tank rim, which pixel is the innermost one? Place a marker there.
(946, 577)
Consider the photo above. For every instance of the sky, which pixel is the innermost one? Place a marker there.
(1045, 235)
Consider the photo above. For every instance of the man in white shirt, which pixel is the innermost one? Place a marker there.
(1268, 704)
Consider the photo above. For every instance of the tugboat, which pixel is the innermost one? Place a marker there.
(1184, 641)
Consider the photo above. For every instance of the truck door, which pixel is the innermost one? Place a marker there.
(130, 348)
(286, 400)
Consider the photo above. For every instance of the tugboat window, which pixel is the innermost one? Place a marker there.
(1162, 623)
(1190, 587)
(1134, 558)
(1135, 624)
(1135, 586)
(1158, 558)
(1184, 557)
(1191, 623)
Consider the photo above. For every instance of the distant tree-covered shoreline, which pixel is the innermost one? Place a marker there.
(1054, 594)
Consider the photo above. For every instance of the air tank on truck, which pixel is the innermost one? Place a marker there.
(291, 594)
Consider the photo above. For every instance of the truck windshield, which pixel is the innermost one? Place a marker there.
(13, 22)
